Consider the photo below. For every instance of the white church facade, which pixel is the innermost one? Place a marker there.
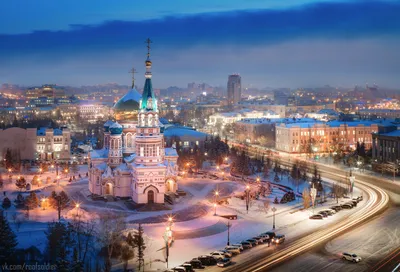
(134, 161)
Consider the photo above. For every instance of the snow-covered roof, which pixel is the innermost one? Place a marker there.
(169, 151)
(130, 158)
(133, 94)
(108, 173)
(123, 167)
(183, 132)
(99, 153)
(395, 133)
(101, 166)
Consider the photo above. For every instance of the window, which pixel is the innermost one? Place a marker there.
(142, 151)
(186, 143)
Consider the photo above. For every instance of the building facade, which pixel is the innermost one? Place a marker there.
(321, 137)
(386, 147)
(44, 144)
(134, 161)
(234, 89)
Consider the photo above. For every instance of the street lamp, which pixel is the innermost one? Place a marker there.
(77, 208)
(217, 167)
(44, 203)
(215, 209)
(247, 198)
(273, 222)
(258, 179)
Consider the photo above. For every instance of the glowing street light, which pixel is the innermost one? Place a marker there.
(217, 167)
(44, 203)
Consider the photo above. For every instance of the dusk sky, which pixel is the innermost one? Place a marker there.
(270, 43)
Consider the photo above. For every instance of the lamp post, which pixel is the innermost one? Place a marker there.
(247, 198)
(44, 203)
(40, 171)
(215, 209)
(58, 180)
(223, 173)
(229, 226)
(167, 235)
(77, 208)
(273, 222)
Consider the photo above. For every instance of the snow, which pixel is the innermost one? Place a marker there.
(133, 94)
(196, 228)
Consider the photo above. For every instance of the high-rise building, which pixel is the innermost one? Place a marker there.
(234, 89)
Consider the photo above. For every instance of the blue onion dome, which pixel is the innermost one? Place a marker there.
(116, 129)
(107, 125)
(126, 109)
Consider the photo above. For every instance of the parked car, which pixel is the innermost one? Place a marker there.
(330, 211)
(324, 214)
(316, 216)
(258, 239)
(188, 267)
(232, 249)
(346, 206)
(351, 257)
(271, 234)
(179, 269)
(336, 208)
(279, 239)
(224, 262)
(265, 237)
(240, 246)
(207, 260)
(246, 244)
(226, 252)
(354, 202)
(196, 264)
(253, 242)
(218, 254)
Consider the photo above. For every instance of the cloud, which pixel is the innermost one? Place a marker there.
(255, 43)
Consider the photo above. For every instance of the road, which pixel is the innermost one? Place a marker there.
(267, 258)
(372, 241)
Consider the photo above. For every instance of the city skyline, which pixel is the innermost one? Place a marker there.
(297, 44)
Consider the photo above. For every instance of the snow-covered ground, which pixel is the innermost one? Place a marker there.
(193, 215)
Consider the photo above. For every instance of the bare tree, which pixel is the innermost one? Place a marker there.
(264, 207)
(110, 235)
(306, 198)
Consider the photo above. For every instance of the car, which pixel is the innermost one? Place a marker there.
(271, 234)
(316, 216)
(351, 257)
(346, 206)
(226, 252)
(188, 267)
(240, 246)
(196, 264)
(218, 254)
(224, 262)
(253, 242)
(207, 260)
(233, 249)
(246, 244)
(258, 239)
(329, 211)
(265, 237)
(336, 208)
(354, 202)
(279, 239)
(324, 214)
(179, 269)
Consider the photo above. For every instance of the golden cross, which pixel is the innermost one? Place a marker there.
(148, 41)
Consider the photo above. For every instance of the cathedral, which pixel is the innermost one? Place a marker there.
(134, 161)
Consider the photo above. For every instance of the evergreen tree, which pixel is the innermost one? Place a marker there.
(8, 159)
(276, 178)
(139, 242)
(59, 202)
(21, 183)
(31, 202)
(6, 203)
(8, 240)
(127, 254)
(58, 245)
(19, 201)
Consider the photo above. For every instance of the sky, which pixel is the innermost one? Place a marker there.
(289, 43)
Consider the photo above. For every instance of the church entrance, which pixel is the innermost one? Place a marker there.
(109, 189)
(170, 185)
(150, 196)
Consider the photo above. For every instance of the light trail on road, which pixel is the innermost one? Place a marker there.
(377, 202)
